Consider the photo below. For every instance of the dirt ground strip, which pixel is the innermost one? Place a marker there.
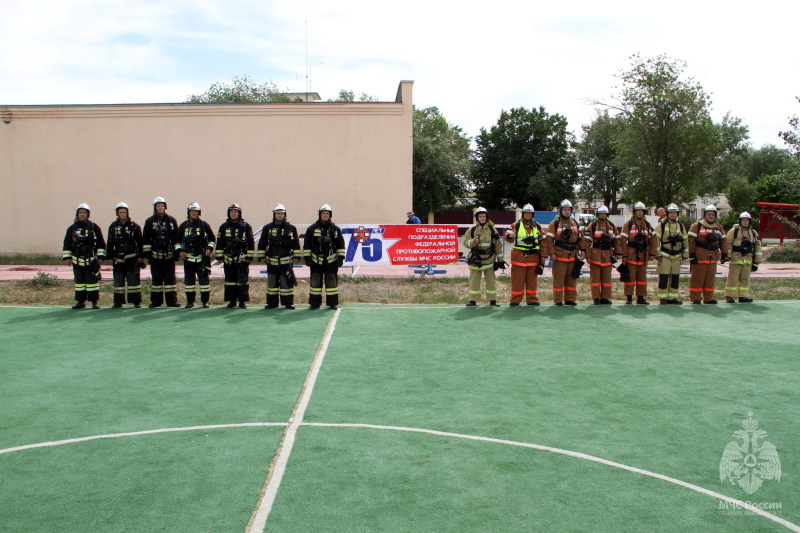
(23, 272)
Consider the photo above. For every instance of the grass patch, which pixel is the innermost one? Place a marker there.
(30, 259)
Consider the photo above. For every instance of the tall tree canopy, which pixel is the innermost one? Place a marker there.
(525, 157)
(600, 174)
(441, 161)
(792, 136)
(670, 141)
(240, 90)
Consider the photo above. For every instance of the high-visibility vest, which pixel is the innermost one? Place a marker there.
(522, 233)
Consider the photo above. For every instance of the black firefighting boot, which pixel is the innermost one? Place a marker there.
(570, 302)
(471, 303)
(242, 305)
(664, 301)
(729, 300)
(231, 304)
(190, 297)
(79, 305)
(119, 299)
(514, 304)
(605, 301)
(745, 300)
(641, 301)
(676, 302)
(172, 299)
(597, 301)
(696, 302)
(494, 303)
(629, 299)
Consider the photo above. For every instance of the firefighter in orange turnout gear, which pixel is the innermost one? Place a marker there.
(600, 244)
(637, 244)
(707, 245)
(563, 243)
(527, 257)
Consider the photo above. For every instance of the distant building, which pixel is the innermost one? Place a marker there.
(355, 156)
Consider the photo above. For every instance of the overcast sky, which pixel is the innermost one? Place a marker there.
(470, 59)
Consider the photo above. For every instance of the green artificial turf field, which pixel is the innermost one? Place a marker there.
(420, 418)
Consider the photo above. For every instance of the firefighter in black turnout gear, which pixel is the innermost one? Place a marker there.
(195, 245)
(159, 234)
(323, 251)
(279, 247)
(84, 250)
(236, 249)
(125, 250)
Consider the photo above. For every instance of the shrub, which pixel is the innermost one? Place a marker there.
(43, 280)
(785, 254)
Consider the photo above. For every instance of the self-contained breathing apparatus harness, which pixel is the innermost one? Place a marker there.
(674, 239)
(747, 246)
(566, 235)
(606, 241)
(236, 246)
(476, 255)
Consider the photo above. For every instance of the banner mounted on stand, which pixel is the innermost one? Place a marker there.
(400, 244)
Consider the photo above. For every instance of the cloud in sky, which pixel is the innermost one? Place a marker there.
(469, 60)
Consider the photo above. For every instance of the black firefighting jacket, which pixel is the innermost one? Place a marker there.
(84, 243)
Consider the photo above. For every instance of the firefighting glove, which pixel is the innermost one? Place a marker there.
(723, 259)
(540, 269)
(307, 261)
(340, 262)
(754, 267)
(693, 260)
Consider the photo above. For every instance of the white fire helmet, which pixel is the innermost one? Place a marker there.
(564, 203)
(194, 206)
(122, 205)
(602, 209)
(326, 207)
(745, 214)
(160, 200)
(710, 207)
(528, 208)
(237, 207)
(83, 206)
(279, 208)
(639, 205)
(481, 210)
(673, 207)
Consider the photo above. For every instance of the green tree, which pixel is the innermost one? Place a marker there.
(670, 142)
(792, 137)
(783, 187)
(441, 162)
(525, 157)
(350, 96)
(240, 90)
(737, 172)
(600, 176)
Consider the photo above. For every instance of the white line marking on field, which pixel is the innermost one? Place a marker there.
(136, 433)
(579, 455)
(278, 466)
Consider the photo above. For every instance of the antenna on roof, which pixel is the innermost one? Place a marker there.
(307, 64)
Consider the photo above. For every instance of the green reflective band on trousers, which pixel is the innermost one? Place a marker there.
(484, 267)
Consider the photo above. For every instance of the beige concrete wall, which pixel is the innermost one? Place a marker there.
(354, 156)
